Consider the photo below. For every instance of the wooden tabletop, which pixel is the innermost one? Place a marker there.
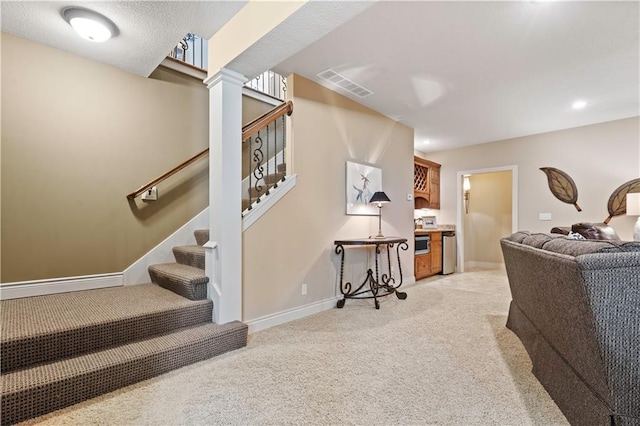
(370, 241)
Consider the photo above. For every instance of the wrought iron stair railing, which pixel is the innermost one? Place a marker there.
(262, 137)
(192, 51)
(264, 145)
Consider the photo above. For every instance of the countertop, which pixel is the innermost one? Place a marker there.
(440, 228)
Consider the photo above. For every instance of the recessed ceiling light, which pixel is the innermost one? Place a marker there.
(579, 104)
(89, 25)
(426, 142)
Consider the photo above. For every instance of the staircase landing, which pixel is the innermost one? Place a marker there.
(61, 349)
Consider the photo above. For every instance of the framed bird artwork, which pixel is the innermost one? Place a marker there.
(363, 180)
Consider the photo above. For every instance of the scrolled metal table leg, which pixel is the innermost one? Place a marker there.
(400, 294)
(345, 288)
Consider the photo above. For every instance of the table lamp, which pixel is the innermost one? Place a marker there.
(633, 209)
(380, 198)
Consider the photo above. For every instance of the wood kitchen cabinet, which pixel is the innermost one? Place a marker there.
(429, 264)
(436, 253)
(426, 184)
(423, 266)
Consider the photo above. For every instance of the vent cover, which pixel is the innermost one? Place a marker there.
(344, 83)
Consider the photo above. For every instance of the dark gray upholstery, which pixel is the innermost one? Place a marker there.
(576, 309)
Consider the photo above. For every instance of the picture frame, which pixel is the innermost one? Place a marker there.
(362, 181)
(429, 222)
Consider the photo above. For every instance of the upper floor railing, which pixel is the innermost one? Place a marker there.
(193, 50)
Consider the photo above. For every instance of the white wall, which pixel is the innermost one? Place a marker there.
(598, 157)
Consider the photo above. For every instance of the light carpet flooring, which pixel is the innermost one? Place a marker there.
(441, 357)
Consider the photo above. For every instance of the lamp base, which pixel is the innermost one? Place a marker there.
(379, 236)
(636, 231)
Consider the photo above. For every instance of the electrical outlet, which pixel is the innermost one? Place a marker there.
(150, 194)
(304, 289)
(545, 216)
(409, 197)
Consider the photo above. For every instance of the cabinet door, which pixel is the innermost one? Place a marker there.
(436, 253)
(426, 183)
(423, 265)
(434, 187)
(421, 185)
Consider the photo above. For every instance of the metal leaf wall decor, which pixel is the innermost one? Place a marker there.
(562, 186)
(617, 204)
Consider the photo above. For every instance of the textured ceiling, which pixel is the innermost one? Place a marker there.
(148, 29)
(464, 73)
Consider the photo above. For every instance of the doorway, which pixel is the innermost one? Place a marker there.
(487, 211)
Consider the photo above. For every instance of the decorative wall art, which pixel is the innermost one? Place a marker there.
(562, 186)
(362, 181)
(617, 204)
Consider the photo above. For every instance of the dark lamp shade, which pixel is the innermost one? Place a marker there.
(379, 197)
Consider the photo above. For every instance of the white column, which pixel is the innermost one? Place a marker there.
(224, 249)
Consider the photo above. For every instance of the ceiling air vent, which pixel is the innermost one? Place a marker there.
(344, 83)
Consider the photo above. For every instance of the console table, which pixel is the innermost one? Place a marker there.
(374, 285)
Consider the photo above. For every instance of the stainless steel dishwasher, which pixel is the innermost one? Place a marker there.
(448, 252)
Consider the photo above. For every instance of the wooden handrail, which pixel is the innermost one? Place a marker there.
(171, 172)
(248, 130)
(254, 126)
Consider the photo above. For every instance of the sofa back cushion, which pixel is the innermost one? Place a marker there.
(558, 243)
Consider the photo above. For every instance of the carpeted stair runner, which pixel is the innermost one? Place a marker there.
(61, 349)
(190, 255)
(184, 280)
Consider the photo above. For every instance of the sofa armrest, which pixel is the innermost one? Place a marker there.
(612, 284)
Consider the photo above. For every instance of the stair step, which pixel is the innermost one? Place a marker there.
(245, 203)
(184, 280)
(202, 236)
(45, 328)
(190, 255)
(36, 391)
(273, 179)
(282, 168)
(254, 193)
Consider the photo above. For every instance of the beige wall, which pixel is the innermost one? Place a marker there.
(292, 243)
(598, 157)
(77, 136)
(489, 217)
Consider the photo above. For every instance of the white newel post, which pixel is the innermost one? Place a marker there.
(224, 249)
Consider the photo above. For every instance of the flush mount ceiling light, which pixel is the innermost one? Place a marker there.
(579, 104)
(90, 25)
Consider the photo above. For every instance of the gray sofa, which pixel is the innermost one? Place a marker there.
(576, 309)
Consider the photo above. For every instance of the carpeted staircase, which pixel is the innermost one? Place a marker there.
(270, 181)
(61, 349)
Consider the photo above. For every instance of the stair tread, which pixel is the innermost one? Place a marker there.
(94, 361)
(34, 316)
(44, 328)
(185, 280)
(31, 392)
(190, 255)
(202, 236)
(181, 272)
(189, 249)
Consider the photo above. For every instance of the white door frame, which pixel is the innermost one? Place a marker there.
(460, 206)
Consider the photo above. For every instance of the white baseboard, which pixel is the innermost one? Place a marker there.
(138, 272)
(278, 318)
(20, 289)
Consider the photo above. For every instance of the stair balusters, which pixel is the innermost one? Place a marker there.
(265, 161)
